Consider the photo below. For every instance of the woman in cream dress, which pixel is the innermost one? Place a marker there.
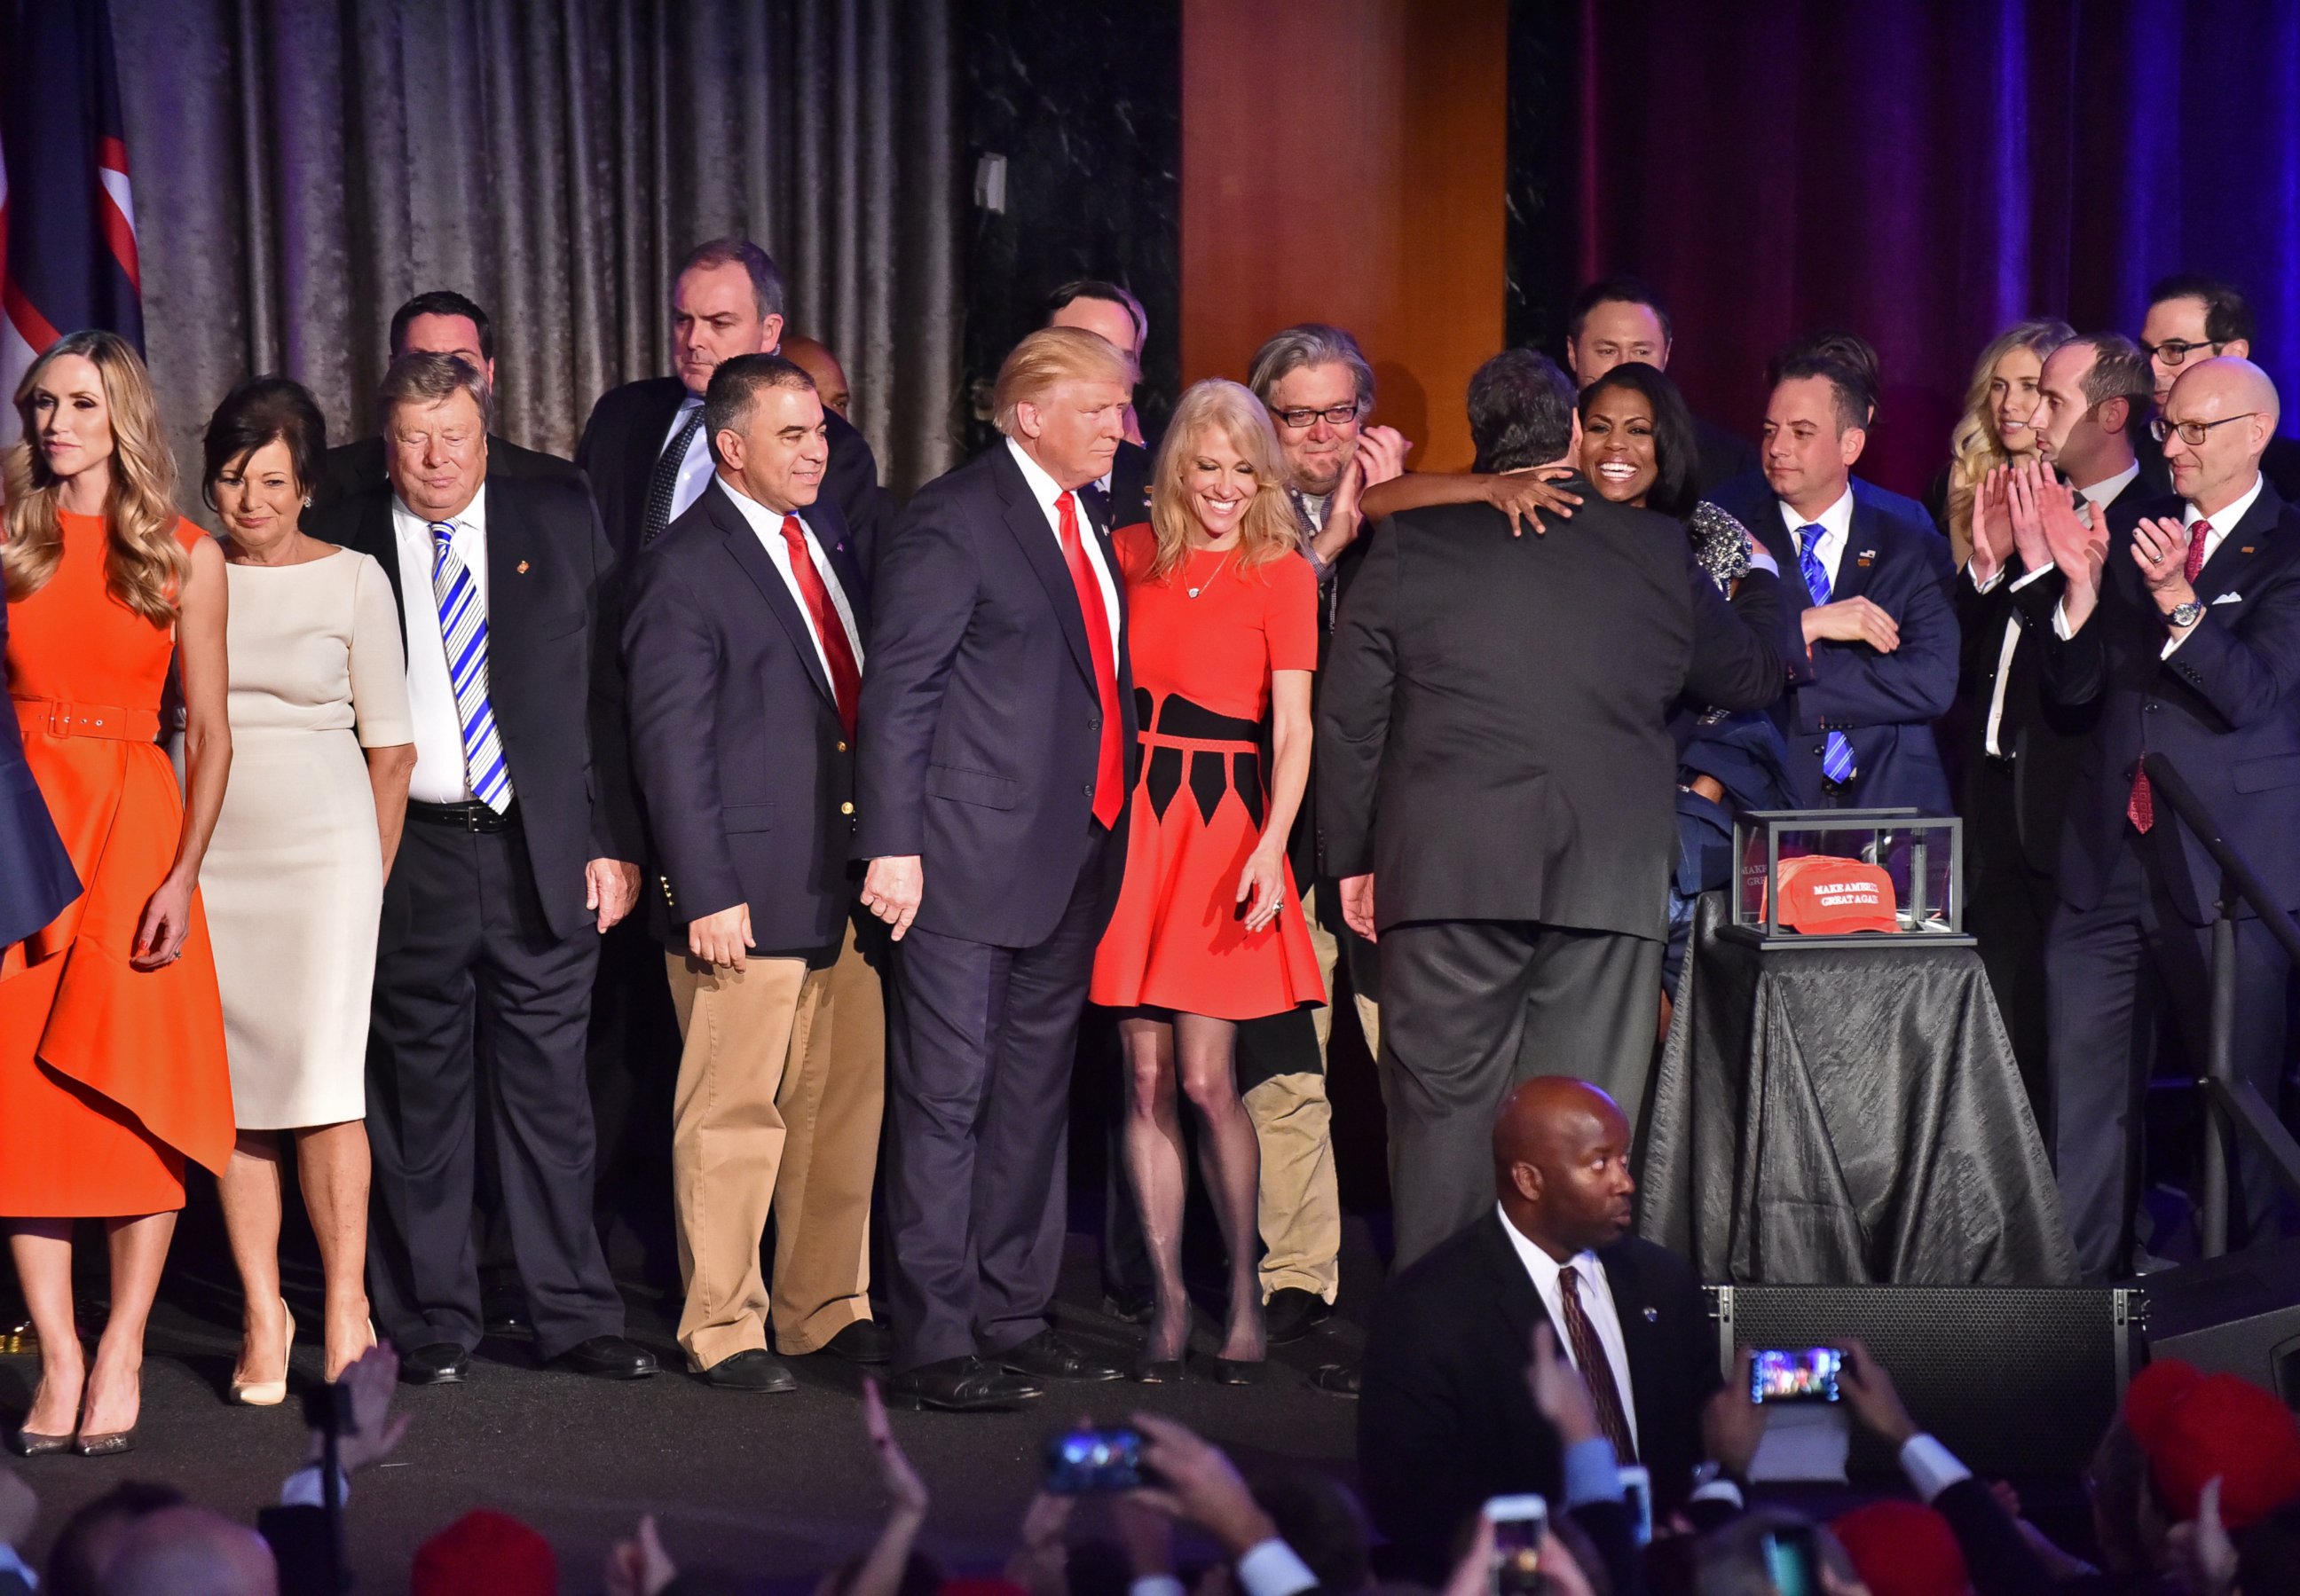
(294, 880)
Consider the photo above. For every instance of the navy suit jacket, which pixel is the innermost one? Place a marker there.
(981, 726)
(37, 879)
(745, 771)
(1884, 703)
(2225, 709)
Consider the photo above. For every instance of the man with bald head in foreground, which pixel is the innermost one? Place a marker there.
(2182, 626)
(1447, 1419)
(190, 1552)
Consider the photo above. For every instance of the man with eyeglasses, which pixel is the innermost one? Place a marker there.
(2191, 319)
(2179, 623)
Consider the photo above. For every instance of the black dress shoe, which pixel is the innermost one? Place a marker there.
(442, 1363)
(1158, 1371)
(1292, 1313)
(756, 1369)
(1048, 1357)
(607, 1358)
(1238, 1371)
(1130, 1306)
(865, 1341)
(1337, 1379)
(960, 1385)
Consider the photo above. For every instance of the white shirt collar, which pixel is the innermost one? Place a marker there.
(2230, 515)
(1544, 1268)
(1836, 522)
(471, 518)
(764, 518)
(1043, 489)
(2106, 489)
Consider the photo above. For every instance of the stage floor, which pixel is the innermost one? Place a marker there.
(780, 1487)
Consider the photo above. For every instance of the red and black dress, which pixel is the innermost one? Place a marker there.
(1201, 668)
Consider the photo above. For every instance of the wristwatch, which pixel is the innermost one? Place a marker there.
(2183, 616)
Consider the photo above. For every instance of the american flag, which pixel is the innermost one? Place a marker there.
(67, 220)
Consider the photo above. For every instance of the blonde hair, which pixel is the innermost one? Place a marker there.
(144, 565)
(1974, 449)
(1052, 355)
(1269, 529)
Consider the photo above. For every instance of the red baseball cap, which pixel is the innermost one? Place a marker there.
(485, 1553)
(1904, 1548)
(2198, 1427)
(1824, 897)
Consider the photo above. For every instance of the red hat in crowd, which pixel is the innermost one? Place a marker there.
(1904, 1548)
(2196, 1427)
(485, 1553)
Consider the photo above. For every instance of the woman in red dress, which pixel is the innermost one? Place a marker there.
(111, 1049)
(1222, 632)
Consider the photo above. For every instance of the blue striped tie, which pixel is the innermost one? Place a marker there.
(1836, 753)
(463, 629)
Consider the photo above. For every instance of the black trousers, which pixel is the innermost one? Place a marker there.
(978, 1062)
(2111, 971)
(1469, 1009)
(475, 995)
(2008, 905)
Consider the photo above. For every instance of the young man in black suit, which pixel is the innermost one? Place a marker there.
(1496, 783)
(744, 648)
(643, 448)
(997, 747)
(439, 322)
(1621, 319)
(2193, 319)
(522, 836)
(1447, 1418)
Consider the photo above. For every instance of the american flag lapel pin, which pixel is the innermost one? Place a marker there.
(1652, 1315)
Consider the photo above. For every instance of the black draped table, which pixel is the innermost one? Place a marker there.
(1844, 1115)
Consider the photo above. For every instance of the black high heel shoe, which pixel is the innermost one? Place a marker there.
(32, 1443)
(1239, 1371)
(1158, 1371)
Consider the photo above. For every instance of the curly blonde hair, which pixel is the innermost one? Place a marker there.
(1268, 528)
(144, 565)
(1974, 449)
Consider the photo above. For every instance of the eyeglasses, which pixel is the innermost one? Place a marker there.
(2192, 432)
(2174, 351)
(1302, 421)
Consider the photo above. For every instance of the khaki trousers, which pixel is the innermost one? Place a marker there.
(781, 1083)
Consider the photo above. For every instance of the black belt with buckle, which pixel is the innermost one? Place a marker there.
(463, 817)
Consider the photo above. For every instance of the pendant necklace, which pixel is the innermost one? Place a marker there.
(1218, 570)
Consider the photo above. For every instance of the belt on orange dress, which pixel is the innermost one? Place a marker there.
(58, 718)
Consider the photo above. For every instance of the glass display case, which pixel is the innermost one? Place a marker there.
(1848, 877)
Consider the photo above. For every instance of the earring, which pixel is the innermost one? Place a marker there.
(307, 500)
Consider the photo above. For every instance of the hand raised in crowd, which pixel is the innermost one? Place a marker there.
(2202, 1555)
(723, 938)
(1201, 1485)
(2029, 488)
(881, 1574)
(1473, 1576)
(1041, 1560)
(638, 1565)
(1992, 526)
(1733, 1423)
(1560, 1394)
(1869, 1391)
(893, 888)
(1852, 620)
(610, 886)
(1525, 496)
(372, 1380)
(1357, 904)
(1145, 1534)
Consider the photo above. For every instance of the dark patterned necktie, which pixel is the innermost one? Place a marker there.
(1596, 1368)
(662, 488)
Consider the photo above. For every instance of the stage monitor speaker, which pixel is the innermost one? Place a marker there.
(2016, 1380)
(2237, 1314)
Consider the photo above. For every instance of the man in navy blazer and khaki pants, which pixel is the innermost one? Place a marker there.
(744, 652)
(998, 740)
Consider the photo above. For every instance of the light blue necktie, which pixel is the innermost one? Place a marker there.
(1836, 752)
(463, 629)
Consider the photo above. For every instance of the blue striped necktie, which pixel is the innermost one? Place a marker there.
(1836, 753)
(463, 629)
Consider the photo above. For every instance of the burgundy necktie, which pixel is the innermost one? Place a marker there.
(1596, 1368)
(1110, 769)
(2140, 808)
(845, 678)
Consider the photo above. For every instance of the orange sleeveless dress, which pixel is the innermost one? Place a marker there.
(110, 1077)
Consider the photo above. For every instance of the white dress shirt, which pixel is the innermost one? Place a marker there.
(695, 471)
(1836, 524)
(1597, 1301)
(1048, 493)
(440, 776)
(767, 524)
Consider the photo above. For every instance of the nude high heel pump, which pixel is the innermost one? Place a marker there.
(268, 1393)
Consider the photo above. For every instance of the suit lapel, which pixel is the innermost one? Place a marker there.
(1863, 548)
(1773, 532)
(2240, 550)
(1027, 521)
(1520, 1304)
(512, 552)
(377, 535)
(743, 545)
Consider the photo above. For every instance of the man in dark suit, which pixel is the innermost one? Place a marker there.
(439, 322)
(743, 649)
(521, 835)
(1447, 1418)
(1496, 786)
(643, 448)
(1621, 319)
(2184, 631)
(2193, 318)
(1868, 594)
(2021, 749)
(997, 740)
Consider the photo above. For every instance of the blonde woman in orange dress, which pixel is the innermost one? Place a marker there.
(111, 1053)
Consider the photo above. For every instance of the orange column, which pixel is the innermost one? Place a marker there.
(1346, 162)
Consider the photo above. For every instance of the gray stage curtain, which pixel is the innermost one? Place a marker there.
(301, 168)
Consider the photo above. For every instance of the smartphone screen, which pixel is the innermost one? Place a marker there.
(1794, 1374)
(1093, 1462)
(1521, 1524)
(1790, 1561)
(1637, 1492)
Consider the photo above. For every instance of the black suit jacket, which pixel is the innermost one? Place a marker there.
(554, 677)
(744, 769)
(2281, 464)
(2225, 708)
(37, 879)
(353, 468)
(1446, 1420)
(1725, 455)
(981, 724)
(1493, 734)
(626, 436)
(1127, 502)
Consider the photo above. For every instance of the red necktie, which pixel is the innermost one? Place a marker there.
(1596, 1368)
(2140, 808)
(845, 678)
(1109, 771)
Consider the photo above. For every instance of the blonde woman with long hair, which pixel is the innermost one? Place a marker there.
(2003, 406)
(111, 1050)
(1222, 633)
